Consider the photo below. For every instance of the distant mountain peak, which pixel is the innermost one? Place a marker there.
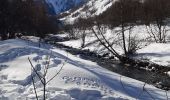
(59, 6)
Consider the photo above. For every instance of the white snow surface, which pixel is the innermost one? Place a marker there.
(156, 52)
(79, 79)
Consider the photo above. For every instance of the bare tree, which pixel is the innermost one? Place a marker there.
(43, 77)
(72, 31)
(157, 12)
(99, 33)
(157, 32)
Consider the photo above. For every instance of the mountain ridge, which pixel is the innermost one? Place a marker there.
(59, 6)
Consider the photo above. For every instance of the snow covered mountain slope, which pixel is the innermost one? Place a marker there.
(64, 5)
(89, 9)
(79, 79)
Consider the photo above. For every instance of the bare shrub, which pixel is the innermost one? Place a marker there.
(42, 77)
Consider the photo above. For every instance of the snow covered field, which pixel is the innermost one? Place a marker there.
(156, 52)
(78, 80)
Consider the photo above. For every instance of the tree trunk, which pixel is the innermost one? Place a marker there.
(44, 89)
(83, 40)
(124, 41)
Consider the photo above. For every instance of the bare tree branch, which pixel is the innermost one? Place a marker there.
(39, 76)
(56, 74)
(34, 85)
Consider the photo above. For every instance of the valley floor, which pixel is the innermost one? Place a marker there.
(79, 79)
